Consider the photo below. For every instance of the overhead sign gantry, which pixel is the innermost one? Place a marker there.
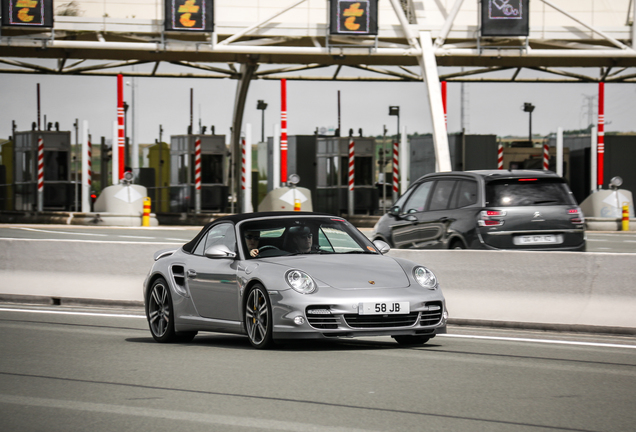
(408, 41)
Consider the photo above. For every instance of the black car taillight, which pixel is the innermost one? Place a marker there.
(489, 218)
(576, 216)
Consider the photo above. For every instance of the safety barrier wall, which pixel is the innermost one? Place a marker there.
(571, 288)
(561, 288)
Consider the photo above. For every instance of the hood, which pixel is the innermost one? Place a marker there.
(350, 271)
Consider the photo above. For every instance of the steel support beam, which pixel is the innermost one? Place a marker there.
(246, 74)
(431, 78)
(448, 24)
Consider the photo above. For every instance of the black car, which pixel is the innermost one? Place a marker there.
(495, 209)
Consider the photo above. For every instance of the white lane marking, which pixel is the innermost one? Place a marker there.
(257, 423)
(544, 341)
(93, 314)
(62, 232)
(500, 338)
(136, 237)
(94, 241)
(178, 239)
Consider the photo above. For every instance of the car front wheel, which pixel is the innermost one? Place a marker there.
(161, 317)
(409, 340)
(258, 317)
(159, 312)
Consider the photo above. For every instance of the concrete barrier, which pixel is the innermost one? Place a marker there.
(563, 288)
(82, 270)
(559, 288)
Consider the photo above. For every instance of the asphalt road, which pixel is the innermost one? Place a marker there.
(70, 369)
(614, 242)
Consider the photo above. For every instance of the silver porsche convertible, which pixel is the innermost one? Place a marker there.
(290, 275)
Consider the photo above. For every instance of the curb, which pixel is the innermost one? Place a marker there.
(68, 301)
(559, 328)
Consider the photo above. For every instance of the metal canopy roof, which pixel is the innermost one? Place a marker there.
(564, 34)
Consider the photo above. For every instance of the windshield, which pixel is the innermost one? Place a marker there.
(528, 192)
(302, 235)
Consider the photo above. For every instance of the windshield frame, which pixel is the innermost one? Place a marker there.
(318, 226)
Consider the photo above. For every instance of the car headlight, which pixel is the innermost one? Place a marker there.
(425, 277)
(300, 281)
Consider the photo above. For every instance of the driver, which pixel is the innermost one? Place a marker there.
(251, 240)
(301, 239)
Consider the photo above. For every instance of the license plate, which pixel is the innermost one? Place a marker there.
(538, 239)
(383, 308)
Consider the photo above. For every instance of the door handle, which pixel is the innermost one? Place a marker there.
(191, 273)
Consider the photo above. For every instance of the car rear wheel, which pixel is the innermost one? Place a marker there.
(457, 244)
(258, 317)
(410, 340)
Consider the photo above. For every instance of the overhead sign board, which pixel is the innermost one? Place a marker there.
(349, 17)
(27, 13)
(505, 18)
(189, 15)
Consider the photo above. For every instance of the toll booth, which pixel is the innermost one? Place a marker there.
(58, 188)
(523, 157)
(467, 152)
(6, 175)
(159, 189)
(332, 175)
(214, 173)
(301, 160)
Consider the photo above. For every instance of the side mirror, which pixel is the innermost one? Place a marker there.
(382, 246)
(219, 251)
(394, 211)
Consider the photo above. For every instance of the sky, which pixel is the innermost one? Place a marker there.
(491, 108)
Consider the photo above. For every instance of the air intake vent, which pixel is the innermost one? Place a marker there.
(178, 275)
(380, 321)
(320, 317)
(432, 314)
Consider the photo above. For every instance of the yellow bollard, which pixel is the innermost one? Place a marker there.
(145, 219)
(296, 205)
(625, 218)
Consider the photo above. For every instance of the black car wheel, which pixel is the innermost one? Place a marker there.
(160, 315)
(258, 318)
(410, 340)
(457, 244)
(159, 312)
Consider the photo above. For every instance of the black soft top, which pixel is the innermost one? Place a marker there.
(236, 218)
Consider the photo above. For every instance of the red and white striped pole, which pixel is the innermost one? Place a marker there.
(601, 134)
(40, 202)
(246, 168)
(546, 156)
(197, 175)
(86, 169)
(396, 170)
(283, 131)
(352, 175)
(243, 163)
(120, 126)
(500, 155)
(444, 103)
(89, 171)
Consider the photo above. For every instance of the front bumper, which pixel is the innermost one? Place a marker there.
(340, 319)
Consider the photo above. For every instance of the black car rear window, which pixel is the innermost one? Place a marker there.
(528, 192)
